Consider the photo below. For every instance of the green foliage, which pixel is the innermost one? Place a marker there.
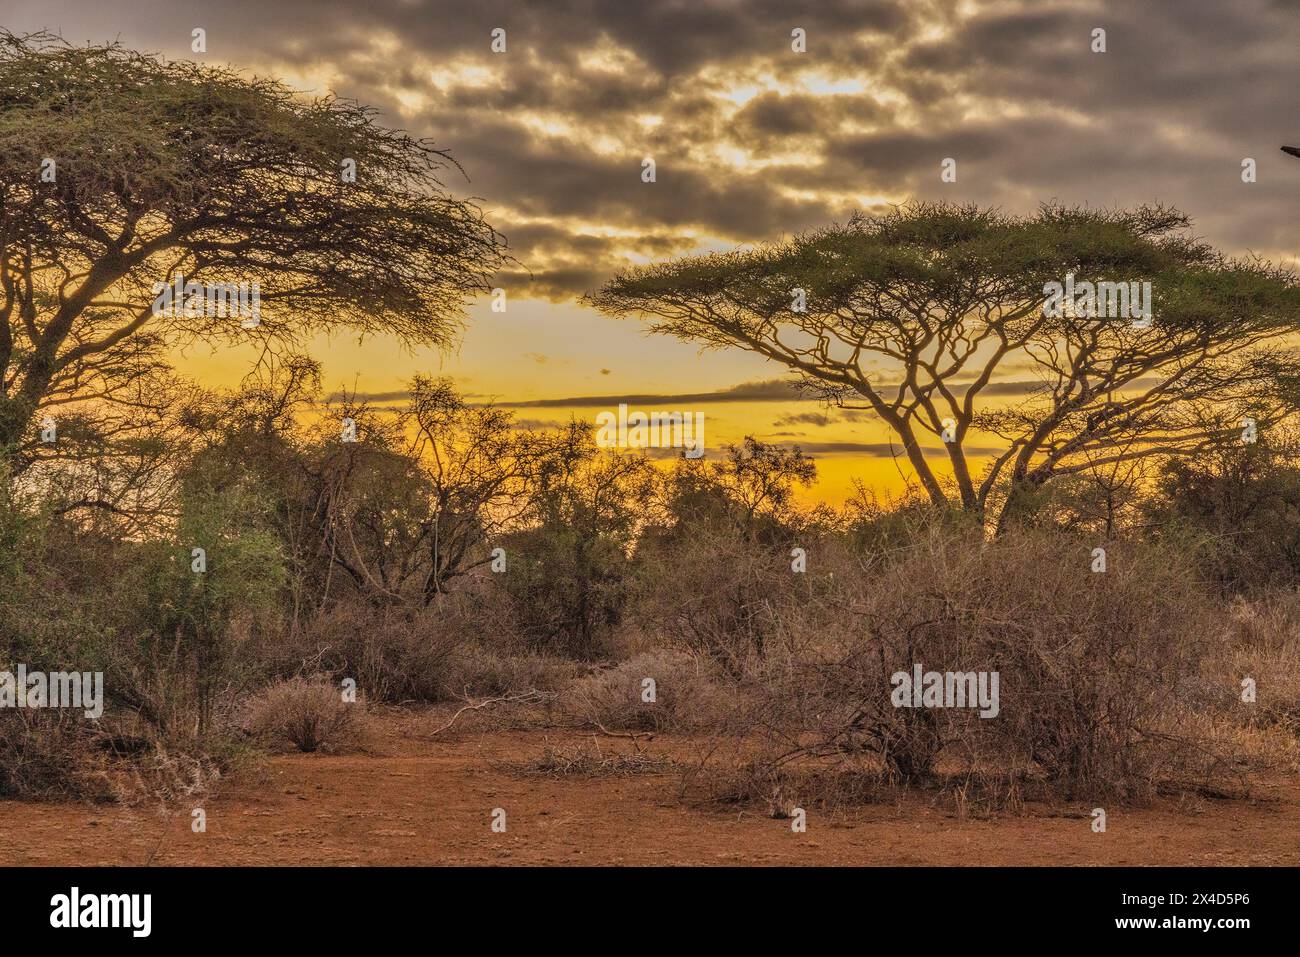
(163, 167)
(567, 573)
(921, 316)
(1238, 512)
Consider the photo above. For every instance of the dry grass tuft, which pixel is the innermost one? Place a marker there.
(308, 713)
(593, 763)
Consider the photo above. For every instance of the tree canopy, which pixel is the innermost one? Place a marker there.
(119, 170)
(933, 317)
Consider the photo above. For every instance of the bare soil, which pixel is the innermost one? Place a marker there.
(413, 799)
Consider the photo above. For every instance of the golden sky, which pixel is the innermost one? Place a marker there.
(752, 141)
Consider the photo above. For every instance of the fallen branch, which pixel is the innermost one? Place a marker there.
(514, 697)
(635, 736)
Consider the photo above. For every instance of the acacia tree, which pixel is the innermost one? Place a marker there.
(753, 486)
(399, 512)
(933, 317)
(483, 471)
(119, 170)
(416, 502)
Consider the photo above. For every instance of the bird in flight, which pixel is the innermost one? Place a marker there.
(1293, 150)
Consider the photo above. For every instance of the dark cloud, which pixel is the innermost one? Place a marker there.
(753, 141)
(805, 418)
(400, 395)
(767, 390)
(883, 449)
(770, 390)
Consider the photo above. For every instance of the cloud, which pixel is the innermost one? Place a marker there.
(805, 418)
(753, 141)
(764, 390)
(769, 390)
(885, 450)
(399, 395)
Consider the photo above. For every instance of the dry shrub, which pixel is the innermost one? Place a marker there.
(394, 655)
(48, 753)
(687, 695)
(1095, 665)
(461, 645)
(717, 593)
(307, 712)
(591, 762)
(780, 788)
(1095, 669)
(170, 776)
(1264, 644)
(484, 671)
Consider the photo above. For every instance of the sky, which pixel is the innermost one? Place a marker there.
(752, 142)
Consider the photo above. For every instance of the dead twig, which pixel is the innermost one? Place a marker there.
(513, 697)
(634, 736)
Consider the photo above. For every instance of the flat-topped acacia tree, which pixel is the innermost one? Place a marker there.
(932, 317)
(119, 170)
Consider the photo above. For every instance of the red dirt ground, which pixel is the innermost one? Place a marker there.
(412, 799)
